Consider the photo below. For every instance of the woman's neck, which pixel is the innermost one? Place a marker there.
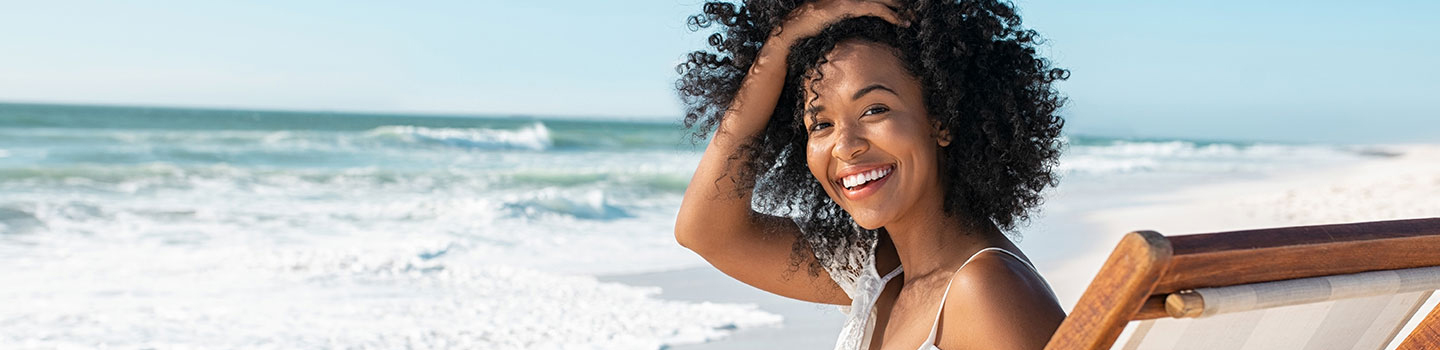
(931, 241)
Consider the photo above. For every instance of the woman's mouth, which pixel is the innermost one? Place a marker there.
(860, 185)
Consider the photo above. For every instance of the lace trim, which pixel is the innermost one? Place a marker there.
(852, 266)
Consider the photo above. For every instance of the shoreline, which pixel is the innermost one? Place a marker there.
(805, 325)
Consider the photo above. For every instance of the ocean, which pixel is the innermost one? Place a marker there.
(134, 227)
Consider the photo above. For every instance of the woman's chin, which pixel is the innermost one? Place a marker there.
(868, 223)
(869, 217)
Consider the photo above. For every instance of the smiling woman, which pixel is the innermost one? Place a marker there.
(867, 137)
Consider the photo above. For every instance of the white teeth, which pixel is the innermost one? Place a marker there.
(865, 177)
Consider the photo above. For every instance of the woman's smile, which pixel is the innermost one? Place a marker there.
(860, 182)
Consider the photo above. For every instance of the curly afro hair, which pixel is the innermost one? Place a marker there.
(983, 82)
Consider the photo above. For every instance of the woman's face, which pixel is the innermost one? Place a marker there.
(871, 143)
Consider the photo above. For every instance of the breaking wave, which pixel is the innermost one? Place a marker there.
(533, 137)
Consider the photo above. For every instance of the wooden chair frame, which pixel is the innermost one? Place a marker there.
(1147, 266)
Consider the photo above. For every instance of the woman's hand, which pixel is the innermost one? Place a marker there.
(812, 17)
(806, 21)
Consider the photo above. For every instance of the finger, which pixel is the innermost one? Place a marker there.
(882, 10)
(899, 8)
(892, 4)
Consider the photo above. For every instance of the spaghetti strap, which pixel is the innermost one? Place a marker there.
(930, 341)
(892, 274)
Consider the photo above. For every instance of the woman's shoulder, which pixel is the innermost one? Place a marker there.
(1001, 268)
(997, 301)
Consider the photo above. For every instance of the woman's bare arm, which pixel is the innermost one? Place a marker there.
(717, 223)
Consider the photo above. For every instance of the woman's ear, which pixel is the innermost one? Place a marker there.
(941, 135)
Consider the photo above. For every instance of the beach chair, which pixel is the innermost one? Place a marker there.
(1347, 286)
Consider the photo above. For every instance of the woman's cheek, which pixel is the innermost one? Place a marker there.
(817, 159)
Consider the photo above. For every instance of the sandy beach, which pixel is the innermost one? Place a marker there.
(806, 325)
(1077, 230)
(1402, 187)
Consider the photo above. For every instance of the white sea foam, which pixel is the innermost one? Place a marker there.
(534, 137)
(593, 224)
(334, 296)
(588, 205)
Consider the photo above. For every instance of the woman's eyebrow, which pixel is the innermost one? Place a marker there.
(813, 110)
(816, 109)
(870, 88)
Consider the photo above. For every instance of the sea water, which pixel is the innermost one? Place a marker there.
(129, 227)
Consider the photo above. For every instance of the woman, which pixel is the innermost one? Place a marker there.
(886, 147)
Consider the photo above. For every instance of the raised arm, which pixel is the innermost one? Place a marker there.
(718, 224)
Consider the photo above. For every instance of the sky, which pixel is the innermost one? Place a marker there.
(1295, 71)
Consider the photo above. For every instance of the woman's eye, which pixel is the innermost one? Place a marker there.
(877, 110)
(819, 126)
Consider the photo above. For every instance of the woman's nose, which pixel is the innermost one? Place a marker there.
(850, 144)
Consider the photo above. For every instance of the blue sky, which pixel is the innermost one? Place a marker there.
(1275, 70)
